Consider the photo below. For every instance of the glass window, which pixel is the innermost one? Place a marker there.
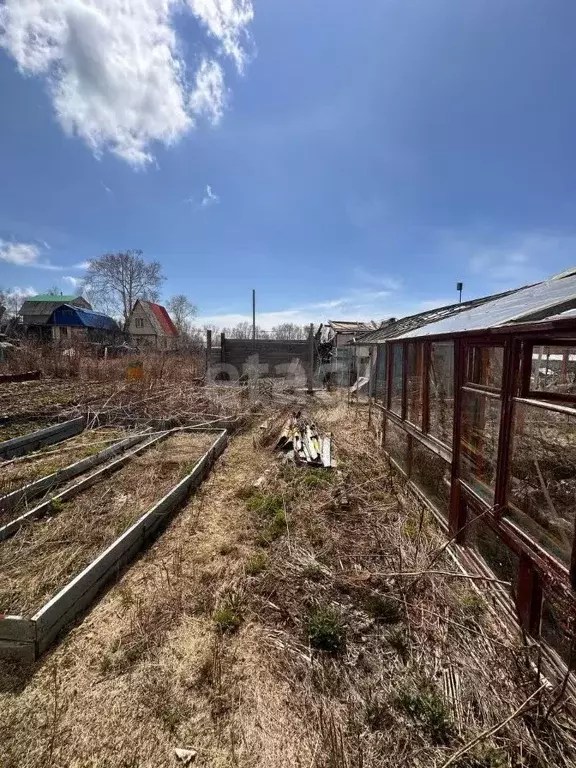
(397, 376)
(554, 369)
(414, 383)
(502, 561)
(542, 484)
(441, 386)
(484, 366)
(380, 383)
(479, 442)
(432, 476)
(396, 443)
(555, 629)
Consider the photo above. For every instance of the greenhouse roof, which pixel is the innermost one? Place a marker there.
(532, 303)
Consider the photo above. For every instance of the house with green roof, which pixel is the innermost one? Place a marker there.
(36, 310)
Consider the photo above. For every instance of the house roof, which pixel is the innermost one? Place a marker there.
(53, 297)
(41, 307)
(351, 326)
(159, 317)
(68, 315)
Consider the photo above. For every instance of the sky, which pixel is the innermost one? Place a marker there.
(345, 160)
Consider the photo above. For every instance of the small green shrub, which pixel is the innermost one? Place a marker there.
(326, 631)
(265, 504)
(256, 563)
(313, 572)
(245, 492)
(473, 606)
(383, 609)
(428, 710)
(483, 756)
(56, 505)
(227, 619)
(410, 528)
(316, 478)
(399, 641)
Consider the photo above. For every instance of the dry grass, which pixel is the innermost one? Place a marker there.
(42, 557)
(384, 669)
(418, 667)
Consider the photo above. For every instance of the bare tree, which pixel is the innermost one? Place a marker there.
(244, 331)
(286, 331)
(181, 311)
(118, 279)
(12, 299)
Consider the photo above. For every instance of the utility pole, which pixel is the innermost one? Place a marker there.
(459, 287)
(253, 314)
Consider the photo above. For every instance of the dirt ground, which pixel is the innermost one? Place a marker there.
(278, 622)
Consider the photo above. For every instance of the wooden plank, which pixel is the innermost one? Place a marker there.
(10, 500)
(14, 525)
(78, 594)
(18, 446)
(17, 628)
(7, 378)
(15, 649)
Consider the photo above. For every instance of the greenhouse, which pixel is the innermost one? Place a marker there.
(475, 405)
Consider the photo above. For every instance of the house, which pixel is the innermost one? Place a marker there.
(74, 323)
(474, 405)
(340, 332)
(151, 327)
(36, 311)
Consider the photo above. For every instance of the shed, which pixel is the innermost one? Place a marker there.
(37, 310)
(70, 316)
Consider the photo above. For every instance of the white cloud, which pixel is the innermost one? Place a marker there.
(114, 69)
(227, 22)
(209, 197)
(383, 281)
(81, 265)
(358, 305)
(75, 282)
(24, 255)
(21, 254)
(209, 95)
(105, 188)
(518, 259)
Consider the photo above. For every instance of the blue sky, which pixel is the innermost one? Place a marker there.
(347, 160)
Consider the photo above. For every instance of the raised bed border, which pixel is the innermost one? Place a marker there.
(9, 378)
(19, 446)
(29, 491)
(26, 638)
(10, 528)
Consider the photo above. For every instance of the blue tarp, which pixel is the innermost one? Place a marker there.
(82, 318)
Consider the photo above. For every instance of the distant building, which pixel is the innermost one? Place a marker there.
(36, 311)
(74, 323)
(150, 327)
(341, 332)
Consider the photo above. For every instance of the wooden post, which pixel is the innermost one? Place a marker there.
(222, 348)
(311, 359)
(208, 349)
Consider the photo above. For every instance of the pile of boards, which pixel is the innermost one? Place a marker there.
(299, 439)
